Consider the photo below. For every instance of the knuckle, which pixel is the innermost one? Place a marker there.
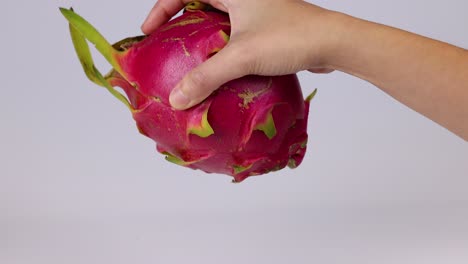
(223, 3)
(194, 83)
(198, 78)
(244, 57)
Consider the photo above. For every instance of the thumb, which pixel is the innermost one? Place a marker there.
(226, 65)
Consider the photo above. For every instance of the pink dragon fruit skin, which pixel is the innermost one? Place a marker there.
(249, 126)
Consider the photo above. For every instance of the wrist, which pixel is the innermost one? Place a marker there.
(334, 30)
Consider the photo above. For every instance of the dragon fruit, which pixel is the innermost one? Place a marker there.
(249, 126)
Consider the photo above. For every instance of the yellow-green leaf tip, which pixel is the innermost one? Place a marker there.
(311, 96)
(268, 127)
(239, 169)
(204, 129)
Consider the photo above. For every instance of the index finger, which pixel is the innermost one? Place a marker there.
(162, 11)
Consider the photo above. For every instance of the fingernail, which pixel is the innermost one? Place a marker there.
(178, 99)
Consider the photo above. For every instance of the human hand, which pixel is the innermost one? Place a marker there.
(276, 37)
(267, 38)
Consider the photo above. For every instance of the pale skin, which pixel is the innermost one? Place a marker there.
(427, 75)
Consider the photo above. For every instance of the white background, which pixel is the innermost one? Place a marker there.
(78, 183)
